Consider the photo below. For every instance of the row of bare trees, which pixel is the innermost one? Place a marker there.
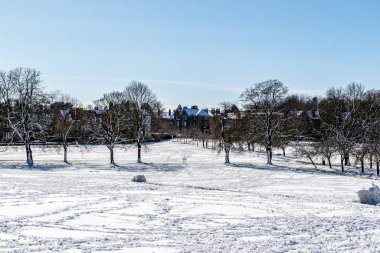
(345, 123)
(350, 120)
(30, 115)
(24, 104)
(260, 123)
(128, 117)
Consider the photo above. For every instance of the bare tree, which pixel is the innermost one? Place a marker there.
(3, 114)
(28, 106)
(204, 137)
(65, 113)
(283, 141)
(307, 150)
(263, 100)
(144, 108)
(109, 123)
(168, 128)
(373, 136)
(326, 147)
(361, 151)
(226, 129)
(344, 117)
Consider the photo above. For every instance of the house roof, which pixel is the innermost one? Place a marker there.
(99, 112)
(314, 114)
(196, 112)
(202, 113)
(191, 112)
(346, 116)
(231, 115)
(64, 113)
(295, 113)
(166, 115)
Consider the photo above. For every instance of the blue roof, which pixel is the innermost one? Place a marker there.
(202, 113)
(191, 112)
(196, 112)
(99, 112)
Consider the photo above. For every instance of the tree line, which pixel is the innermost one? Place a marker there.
(344, 123)
(31, 115)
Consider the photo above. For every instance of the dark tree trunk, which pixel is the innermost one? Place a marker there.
(370, 161)
(112, 160)
(347, 159)
(378, 167)
(227, 156)
(283, 152)
(323, 161)
(269, 156)
(65, 146)
(139, 152)
(29, 155)
(362, 164)
(311, 160)
(329, 161)
(249, 146)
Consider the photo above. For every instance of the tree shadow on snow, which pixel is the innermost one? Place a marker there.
(348, 172)
(41, 167)
(164, 167)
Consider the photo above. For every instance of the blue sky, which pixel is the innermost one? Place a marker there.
(192, 52)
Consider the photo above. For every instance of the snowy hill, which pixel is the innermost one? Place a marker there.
(203, 205)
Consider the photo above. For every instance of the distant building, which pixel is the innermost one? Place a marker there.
(314, 115)
(167, 116)
(192, 117)
(310, 114)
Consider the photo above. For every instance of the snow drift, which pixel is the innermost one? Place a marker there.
(139, 179)
(370, 196)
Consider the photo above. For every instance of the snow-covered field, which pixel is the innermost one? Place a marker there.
(201, 206)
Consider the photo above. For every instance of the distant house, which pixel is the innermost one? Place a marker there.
(313, 115)
(346, 116)
(167, 116)
(310, 114)
(192, 117)
(73, 114)
(295, 114)
(5, 132)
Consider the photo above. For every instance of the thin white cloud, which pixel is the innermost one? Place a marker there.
(305, 91)
(213, 86)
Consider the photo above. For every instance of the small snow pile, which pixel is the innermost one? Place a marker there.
(139, 179)
(370, 196)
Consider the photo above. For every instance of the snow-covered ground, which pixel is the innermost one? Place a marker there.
(201, 206)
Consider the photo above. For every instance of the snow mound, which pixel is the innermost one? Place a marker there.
(370, 196)
(139, 179)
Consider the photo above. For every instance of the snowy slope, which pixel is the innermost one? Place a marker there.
(201, 206)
